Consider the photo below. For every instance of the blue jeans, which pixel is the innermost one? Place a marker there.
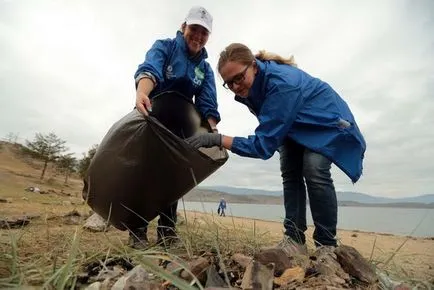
(301, 168)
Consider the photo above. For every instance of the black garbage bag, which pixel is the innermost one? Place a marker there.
(141, 167)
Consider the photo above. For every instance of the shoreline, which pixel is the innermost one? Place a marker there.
(340, 204)
(312, 226)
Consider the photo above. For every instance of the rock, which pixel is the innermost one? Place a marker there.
(319, 282)
(277, 256)
(213, 279)
(258, 276)
(14, 223)
(354, 235)
(289, 275)
(242, 260)
(120, 283)
(3, 200)
(32, 189)
(198, 267)
(108, 283)
(95, 223)
(137, 279)
(172, 268)
(325, 262)
(354, 264)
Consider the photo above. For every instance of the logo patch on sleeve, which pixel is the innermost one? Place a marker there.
(199, 75)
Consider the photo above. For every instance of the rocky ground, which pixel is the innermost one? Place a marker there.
(267, 267)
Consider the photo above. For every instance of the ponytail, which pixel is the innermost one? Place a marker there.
(264, 55)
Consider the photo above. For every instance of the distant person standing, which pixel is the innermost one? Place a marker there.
(222, 207)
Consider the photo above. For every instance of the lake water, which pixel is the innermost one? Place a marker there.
(397, 221)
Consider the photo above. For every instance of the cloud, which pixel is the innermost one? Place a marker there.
(67, 67)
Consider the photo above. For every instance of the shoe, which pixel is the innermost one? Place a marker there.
(138, 239)
(291, 247)
(167, 237)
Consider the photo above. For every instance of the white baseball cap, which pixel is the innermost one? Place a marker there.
(200, 16)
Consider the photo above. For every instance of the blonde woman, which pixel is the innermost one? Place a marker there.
(305, 120)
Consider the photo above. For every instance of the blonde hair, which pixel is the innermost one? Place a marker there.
(238, 52)
(265, 55)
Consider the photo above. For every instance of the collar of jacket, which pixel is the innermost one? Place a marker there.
(181, 42)
(257, 86)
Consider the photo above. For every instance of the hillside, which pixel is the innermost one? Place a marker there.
(18, 172)
(207, 195)
(345, 198)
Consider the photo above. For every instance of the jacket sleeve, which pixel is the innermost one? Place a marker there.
(155, 60)
(206, 100)
(276, 117)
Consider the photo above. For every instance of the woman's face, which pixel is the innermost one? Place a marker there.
(196, 37)
(238, 77)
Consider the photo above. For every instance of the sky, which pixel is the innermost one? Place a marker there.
(67, 67)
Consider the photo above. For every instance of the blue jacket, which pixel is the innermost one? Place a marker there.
(288, 102)
(174, 70)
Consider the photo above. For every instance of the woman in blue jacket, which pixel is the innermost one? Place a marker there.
(177, 64)
(305, 120)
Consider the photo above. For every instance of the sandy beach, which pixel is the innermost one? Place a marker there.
(412, 257)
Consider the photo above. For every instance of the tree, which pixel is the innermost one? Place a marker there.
(84, 163)
(46, 148)
(11, 137)
(66, 164)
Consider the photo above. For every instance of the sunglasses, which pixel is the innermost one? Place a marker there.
(237, 79)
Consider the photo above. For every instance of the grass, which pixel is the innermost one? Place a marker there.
(51, 254)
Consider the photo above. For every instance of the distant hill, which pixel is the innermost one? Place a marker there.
(209, 195)
(344, 198)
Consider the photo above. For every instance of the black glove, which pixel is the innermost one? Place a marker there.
(205, 140)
